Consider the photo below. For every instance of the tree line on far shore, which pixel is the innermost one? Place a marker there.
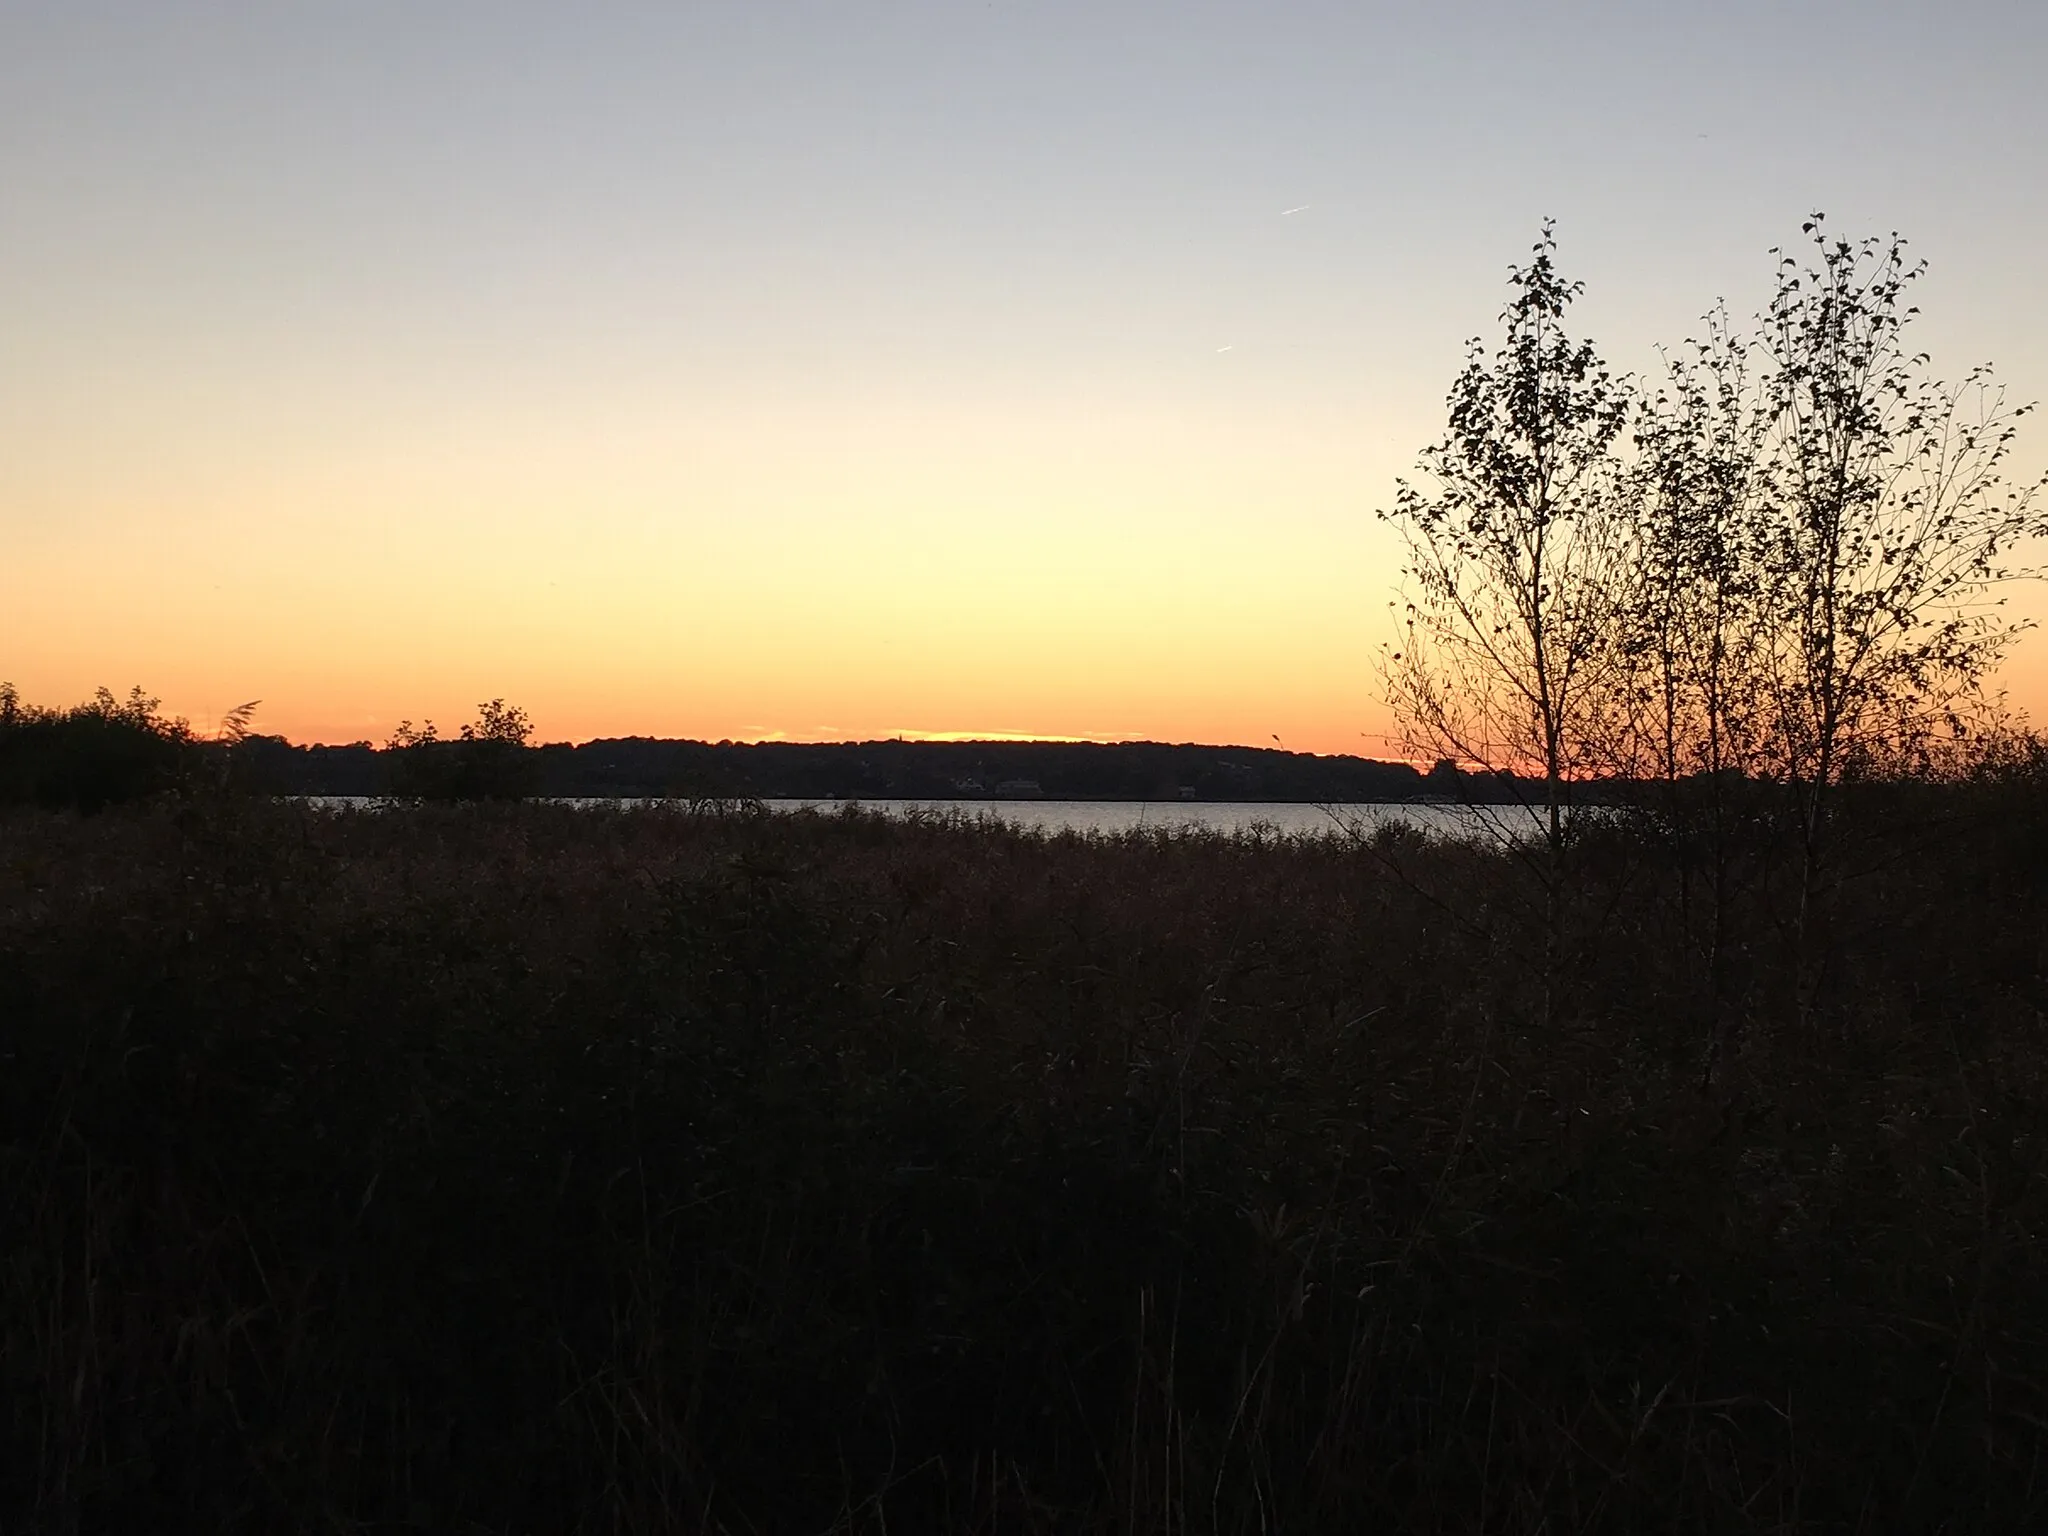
(110, 750)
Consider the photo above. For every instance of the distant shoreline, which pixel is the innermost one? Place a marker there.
(967, 772)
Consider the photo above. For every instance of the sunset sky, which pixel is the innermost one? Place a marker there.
(863, 369)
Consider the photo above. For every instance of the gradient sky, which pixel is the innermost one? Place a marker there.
(861, 369)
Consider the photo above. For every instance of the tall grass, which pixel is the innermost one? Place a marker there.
(519, 1168)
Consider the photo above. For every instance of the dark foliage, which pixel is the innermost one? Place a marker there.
(903, 770)
(517, 1168)
(105, 752)
(458, 770)
(489, 760)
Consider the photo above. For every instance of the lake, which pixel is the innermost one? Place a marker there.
(1113, 816)
(1287, 819)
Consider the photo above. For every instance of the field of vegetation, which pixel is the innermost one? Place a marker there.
(507, 1167)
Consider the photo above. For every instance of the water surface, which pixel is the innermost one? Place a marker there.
(1109, 817)
(1113, 816)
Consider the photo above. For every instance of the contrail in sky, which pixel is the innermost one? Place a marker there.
(1304, 208)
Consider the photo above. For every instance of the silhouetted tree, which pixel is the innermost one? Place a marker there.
(1786, 571)
(1511, 617)
(1696, 620)
(488, 760)
(1891, 525)
(1513, 545)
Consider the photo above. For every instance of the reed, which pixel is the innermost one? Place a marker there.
(511, 1167)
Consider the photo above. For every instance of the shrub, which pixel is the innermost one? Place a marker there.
(489, 760)
(100, 753)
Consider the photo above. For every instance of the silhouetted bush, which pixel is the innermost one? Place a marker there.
(489, 760)
(97, 754)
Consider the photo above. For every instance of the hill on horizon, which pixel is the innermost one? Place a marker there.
(897, 769)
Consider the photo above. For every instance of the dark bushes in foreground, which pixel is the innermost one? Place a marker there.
(107, 751)
(524, 1169)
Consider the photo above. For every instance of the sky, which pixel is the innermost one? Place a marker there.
(836, 370)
